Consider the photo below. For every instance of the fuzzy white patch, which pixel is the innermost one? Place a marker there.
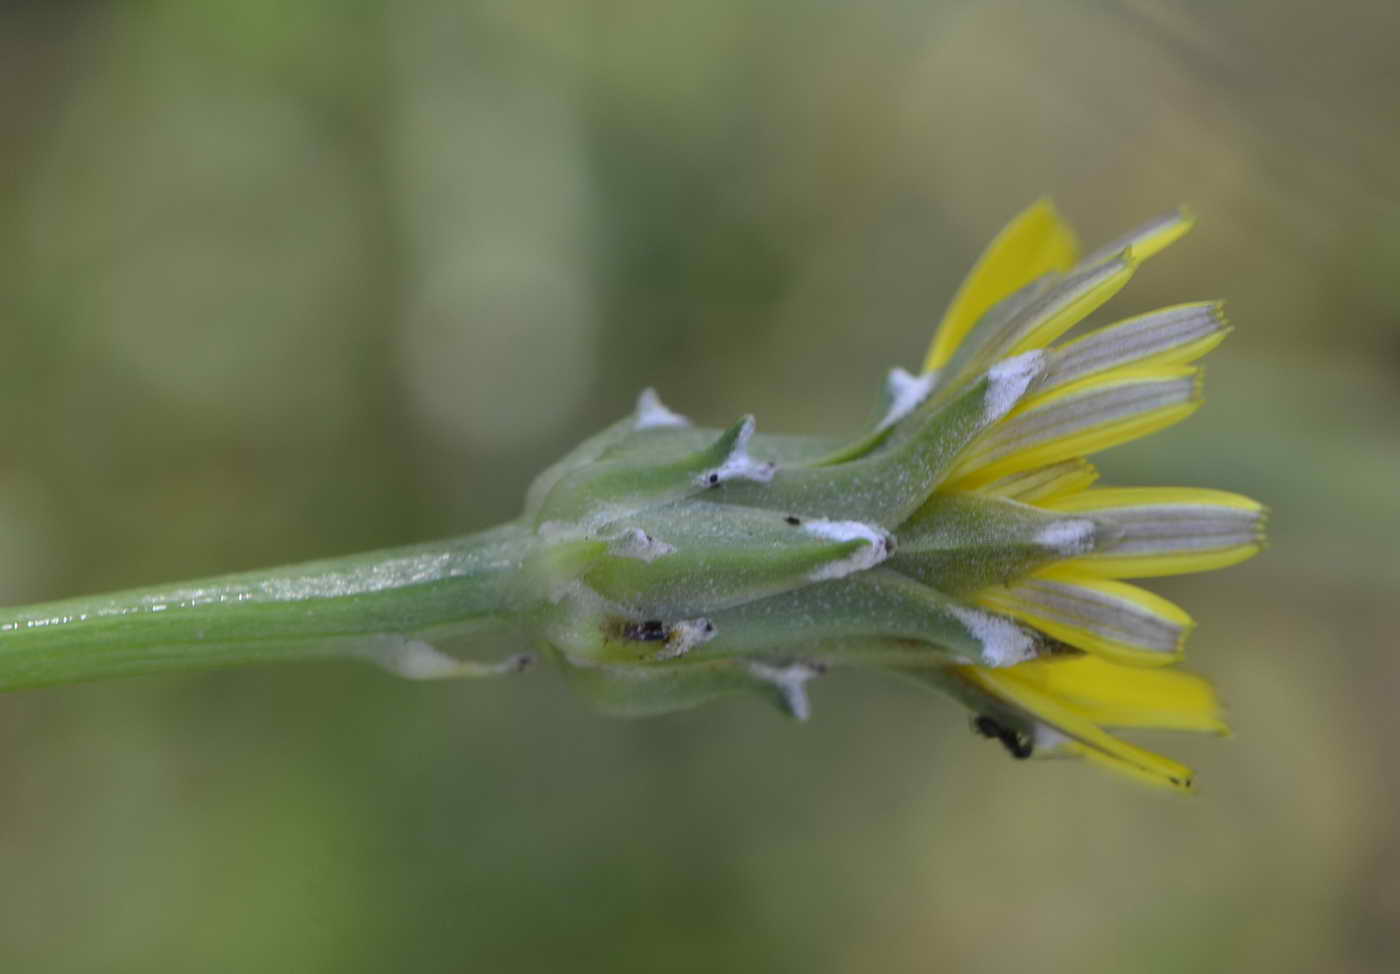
(1008, 380)
(878, 546)
(1003, 642)
(685, 636)
(636, 543)
(1046, 741)
(738, 465)
(1073, 537)
(417, 660)
(906, 392)
(553, 531)
(791, 683)
(651, 413)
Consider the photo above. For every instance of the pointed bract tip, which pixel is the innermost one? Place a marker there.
(652, 413)
(905, 392)
(636, 543)
(1068, 538)
(878, 546)
(1010, 379)
(1004, 643)
(790, 682)
(737, 465)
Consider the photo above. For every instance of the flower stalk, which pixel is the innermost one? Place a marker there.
(384, 607)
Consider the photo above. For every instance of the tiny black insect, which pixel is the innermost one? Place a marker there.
(986, 726)
(713, 479)
(1017, 744)
(793, 520)
(650, 631)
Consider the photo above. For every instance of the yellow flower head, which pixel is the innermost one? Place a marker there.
(958, 541)
(1114, 384)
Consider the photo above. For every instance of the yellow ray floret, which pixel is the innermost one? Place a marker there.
(1166, 530)
(1038, 246)
(1171, 336)
(1044, 483)
(1116, 620)
(1111, 385)
(1080, 418)
(1113, 695)
(1078, 295)
(1151, 238)
(1070, 731)
(1035, 316)
(1034, 243)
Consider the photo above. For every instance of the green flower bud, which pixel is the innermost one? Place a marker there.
(669, 564)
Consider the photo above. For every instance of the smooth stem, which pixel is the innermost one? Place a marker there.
(378, 606)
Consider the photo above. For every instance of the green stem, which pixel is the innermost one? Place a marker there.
(378, 606)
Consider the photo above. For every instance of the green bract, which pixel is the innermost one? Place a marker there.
(666, 564)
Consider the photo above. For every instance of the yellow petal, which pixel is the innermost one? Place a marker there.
(1099, 615)
(1036, 242)
(1043, 484)
(1136, 763)
(1085, 738)
(1113, 695)
(1171, 336)
(1117, 498)
(1167, 530)
(1149, 239)
(1080, 418)
(1079, 295)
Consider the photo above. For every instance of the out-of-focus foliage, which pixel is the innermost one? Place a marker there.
(287, 280)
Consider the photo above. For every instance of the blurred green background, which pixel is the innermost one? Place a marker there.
(292, 280)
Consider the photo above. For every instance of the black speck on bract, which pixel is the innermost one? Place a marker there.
(650, 631)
